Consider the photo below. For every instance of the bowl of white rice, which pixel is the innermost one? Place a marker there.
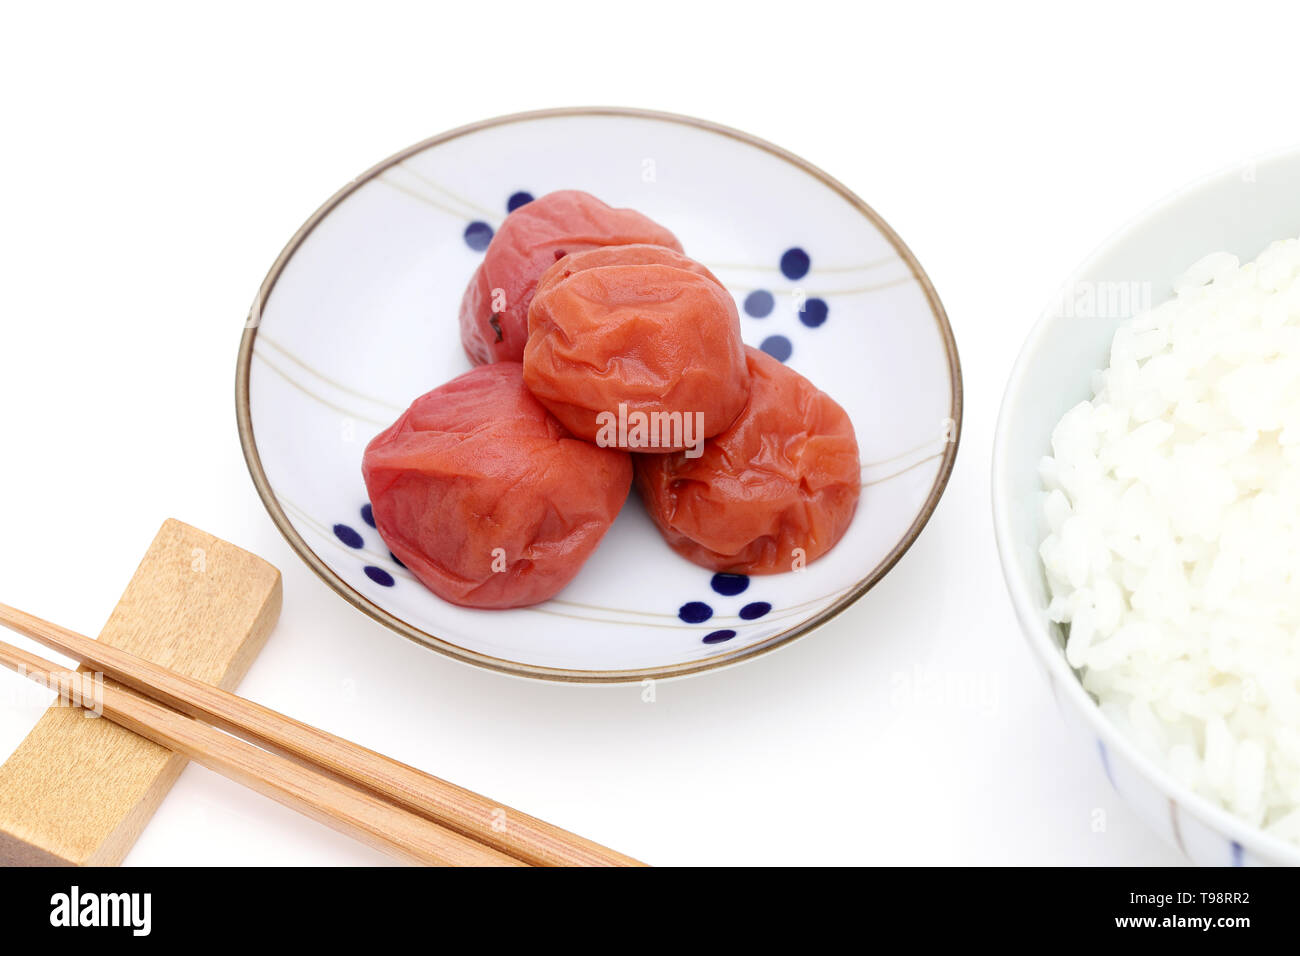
(1146, 501)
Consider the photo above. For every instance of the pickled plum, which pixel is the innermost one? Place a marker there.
(636, 347)
(484, 495)
(773, 492)
(494, 310)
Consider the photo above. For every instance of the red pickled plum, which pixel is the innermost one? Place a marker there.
(494, 311)
(484, 495)
(775, 490)
(636, 347)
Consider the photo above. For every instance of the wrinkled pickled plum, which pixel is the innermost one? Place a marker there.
(485, 497)
(774, 491)
(636, 347)
(494, 310)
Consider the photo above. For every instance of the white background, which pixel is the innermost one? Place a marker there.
(155, 161)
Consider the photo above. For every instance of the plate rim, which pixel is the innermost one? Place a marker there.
(248, 441)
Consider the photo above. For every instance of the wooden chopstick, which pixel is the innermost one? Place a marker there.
(354, 812)
(469, 814)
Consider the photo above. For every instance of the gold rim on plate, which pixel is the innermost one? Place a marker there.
(368, 607)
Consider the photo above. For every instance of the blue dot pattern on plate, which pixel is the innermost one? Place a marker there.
(478, 235)
(729, 584)
(795, 263)
(521, 198)
(759, 304)
(814, 312)
(379, 575)
(777, 346)
(695, 612)
(351, 537)
(348, 535)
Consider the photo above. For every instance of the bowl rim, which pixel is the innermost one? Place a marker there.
(248, 440)
(1033, 624)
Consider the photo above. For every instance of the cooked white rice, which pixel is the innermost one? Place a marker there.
(1174, 548)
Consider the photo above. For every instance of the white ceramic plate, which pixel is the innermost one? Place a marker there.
(1240, 210)
(358, 317)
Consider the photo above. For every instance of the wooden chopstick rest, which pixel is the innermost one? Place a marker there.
(78, 791)
(470, 814)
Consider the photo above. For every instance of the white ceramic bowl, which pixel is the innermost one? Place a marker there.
(358, 317)
(1240, 210)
